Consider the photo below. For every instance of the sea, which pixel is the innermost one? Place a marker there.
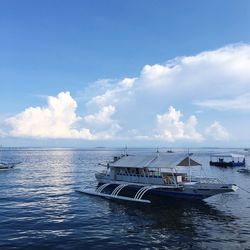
(41, 208)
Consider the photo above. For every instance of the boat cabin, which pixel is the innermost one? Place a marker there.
(227, 160)
(151, 169)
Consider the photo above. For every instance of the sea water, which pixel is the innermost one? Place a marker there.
(41, 209)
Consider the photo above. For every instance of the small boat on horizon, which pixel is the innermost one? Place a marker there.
(170, 151)
(154, 178)
(4, 166)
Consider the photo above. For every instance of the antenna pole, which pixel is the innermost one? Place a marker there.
(189, 166)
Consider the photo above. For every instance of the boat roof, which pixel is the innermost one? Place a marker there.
(229, 155)
(154, 161)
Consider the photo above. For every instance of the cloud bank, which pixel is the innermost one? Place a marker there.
(214, 82)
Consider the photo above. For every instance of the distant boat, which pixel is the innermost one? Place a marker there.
(170, 151)
(227, 160)
(4, 166)
(154, 177)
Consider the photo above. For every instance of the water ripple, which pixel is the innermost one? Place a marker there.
(39, 208)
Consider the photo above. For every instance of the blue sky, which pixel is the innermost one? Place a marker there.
(87, 48)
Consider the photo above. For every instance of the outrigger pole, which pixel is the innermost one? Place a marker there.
(115, 192)
(117, 197)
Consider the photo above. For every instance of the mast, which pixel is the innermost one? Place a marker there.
(189, 166)
(126, 150)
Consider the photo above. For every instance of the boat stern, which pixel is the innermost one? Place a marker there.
(206, 190)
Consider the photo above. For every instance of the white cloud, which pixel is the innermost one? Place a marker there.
(58, 120)
(208, 77)
(102, 117)
(171, 128)
(159, 74)
(2, 133)
(219, 75)
(103, 120)
(218, 79)
(54, 121)
(113, 93)
(217, 132)
(127, 83)
(241, 103)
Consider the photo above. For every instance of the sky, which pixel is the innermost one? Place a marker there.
(115, 73)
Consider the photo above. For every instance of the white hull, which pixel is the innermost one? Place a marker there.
(5, 166)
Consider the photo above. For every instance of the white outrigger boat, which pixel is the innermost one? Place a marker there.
(4, 166)
(151, 178)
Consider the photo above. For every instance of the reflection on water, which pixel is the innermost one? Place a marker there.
(40, 208)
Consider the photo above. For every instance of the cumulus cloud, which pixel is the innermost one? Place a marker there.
(217, 131)
(171, 128)
(102, 117)
(57, 120)
(218, 75)
(226, 70)
(218, 79)
(54, 121)
(103, 120)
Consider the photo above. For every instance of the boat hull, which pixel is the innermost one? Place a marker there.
(227, 164)
(195, 191)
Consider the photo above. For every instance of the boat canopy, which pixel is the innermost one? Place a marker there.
(154, 161)
(188, 162)
(228, 155)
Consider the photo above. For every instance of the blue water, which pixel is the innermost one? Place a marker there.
(40, 208)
